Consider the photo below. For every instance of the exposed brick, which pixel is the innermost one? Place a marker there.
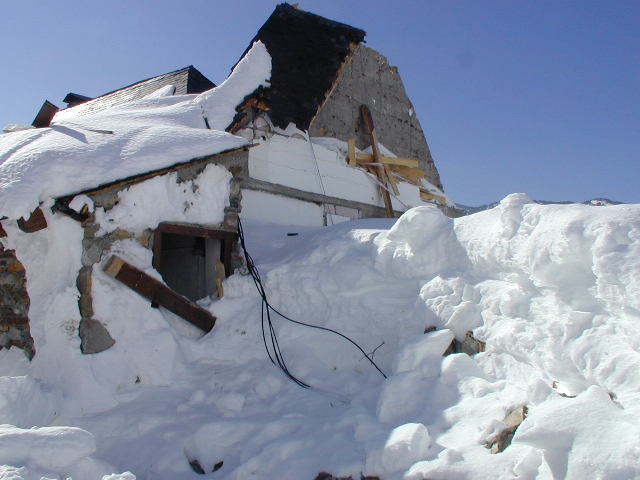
(14, 304)
(11, 266)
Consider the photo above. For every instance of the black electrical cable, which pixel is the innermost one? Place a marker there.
(275, 354)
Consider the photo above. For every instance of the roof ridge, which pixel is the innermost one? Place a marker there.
(133, 85)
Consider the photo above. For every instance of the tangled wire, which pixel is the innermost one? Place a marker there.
(273, 351)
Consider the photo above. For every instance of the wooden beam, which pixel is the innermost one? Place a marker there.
(426, 196)
(391, 180)
(35, 222)
(220, 275)
(406, 162)
(414, 175)
(196, 230)
(159, 293)
(368, 123)
(352, 152)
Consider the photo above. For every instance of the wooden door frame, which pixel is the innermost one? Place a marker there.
(228, 239)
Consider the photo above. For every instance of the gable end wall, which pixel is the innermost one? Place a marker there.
(369, 79)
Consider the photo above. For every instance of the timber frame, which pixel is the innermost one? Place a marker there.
(227, 237)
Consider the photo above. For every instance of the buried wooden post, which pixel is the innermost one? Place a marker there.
(159, 293)
(220, 276)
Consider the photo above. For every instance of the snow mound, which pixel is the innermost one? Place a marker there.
(49, 450)
(553, 290)
(78, 152)
(406, 445)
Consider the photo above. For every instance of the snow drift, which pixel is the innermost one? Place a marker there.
(553, 290)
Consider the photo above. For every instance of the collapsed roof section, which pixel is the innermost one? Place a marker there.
(79, 152)
(185, 80)
(307, 51)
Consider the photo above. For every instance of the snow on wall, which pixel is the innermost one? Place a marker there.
(266, 207)
(52, 258)
(291, 162)
(77, 152)
(163, 199)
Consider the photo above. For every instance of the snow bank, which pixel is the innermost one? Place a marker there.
(82, 151)
(552, 289)
(45, 450)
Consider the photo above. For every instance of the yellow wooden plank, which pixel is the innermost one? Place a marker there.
(220, 275)
(406, 162)
(414, 175)
(392, 180)
(426, 196)
(113, 266)
(352, 152)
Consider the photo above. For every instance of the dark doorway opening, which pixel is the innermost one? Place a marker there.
(191, 258)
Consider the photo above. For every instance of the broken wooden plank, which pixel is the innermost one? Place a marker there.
(35, 222)
(405, 162)
(414, 175)
(391, 180)
(352, 152)
(384, 192)
(426, 196)
(220, 275)
(158, 293)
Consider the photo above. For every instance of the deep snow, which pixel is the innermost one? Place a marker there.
(553, 290)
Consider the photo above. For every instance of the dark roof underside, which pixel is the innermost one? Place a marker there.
(45, 114)
(306, 51)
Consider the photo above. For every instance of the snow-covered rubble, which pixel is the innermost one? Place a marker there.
(553, 290)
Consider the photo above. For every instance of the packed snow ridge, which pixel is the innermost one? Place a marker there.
(553, 290)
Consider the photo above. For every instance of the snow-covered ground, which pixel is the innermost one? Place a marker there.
(553, 290)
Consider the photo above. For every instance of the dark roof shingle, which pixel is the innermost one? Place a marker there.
(186, 80)
(306, 51)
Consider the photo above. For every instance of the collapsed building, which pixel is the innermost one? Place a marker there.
(143, 186)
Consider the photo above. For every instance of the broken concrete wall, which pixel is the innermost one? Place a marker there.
(367, 78)
(14, 304)
(295, 182)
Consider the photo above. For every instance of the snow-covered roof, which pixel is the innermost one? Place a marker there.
(183, 81)
(78, 152)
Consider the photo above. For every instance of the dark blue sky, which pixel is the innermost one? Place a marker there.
(532, 96)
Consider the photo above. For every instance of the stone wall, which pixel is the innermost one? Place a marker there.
(14, 304)
(94, 336)
(368, 79)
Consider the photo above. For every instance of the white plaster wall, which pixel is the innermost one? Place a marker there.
(290, 162)
(267, 207)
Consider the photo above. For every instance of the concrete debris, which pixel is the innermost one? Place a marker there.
(512, 421)
(94, 337)
(469, 345)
